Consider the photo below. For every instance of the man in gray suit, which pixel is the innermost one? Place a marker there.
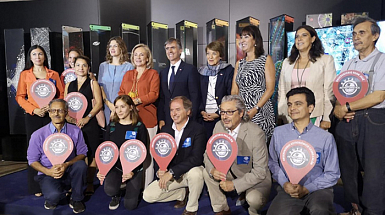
(249, 172)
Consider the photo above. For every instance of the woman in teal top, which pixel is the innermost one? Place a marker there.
(111, 72)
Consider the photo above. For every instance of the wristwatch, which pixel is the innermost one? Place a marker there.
(256, 107)
(89, 115)
(348, 107)
(171, 172)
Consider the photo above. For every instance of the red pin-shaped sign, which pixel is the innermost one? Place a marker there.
(106, 156)
(77, 105)
(68, 75)
(163, 149)
(43, 91)
(298, 157)
(132, 154)
(57, 147)
(222, 150)
(349, 86)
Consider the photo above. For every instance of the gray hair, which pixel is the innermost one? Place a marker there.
(171, 40)
(187, 104)
(374, 27)
(61, 101)
(239, 104)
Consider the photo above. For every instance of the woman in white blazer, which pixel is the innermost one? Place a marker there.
(308, 66)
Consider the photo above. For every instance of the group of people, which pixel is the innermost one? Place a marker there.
(192, 105)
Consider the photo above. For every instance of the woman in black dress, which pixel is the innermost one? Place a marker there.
(88, 123)
(124, 121)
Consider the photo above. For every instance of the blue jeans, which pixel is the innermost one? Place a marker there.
(361, 147)
(55, 189)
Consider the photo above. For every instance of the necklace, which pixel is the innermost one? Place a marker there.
(303, 71)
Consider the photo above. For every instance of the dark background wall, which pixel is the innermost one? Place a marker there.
(55, 13)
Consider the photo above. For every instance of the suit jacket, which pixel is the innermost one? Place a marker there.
(320, 81)
(251, 142)
(222, 86)
(186, 84)
(187, 157)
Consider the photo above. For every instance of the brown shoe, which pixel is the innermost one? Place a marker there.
(228, 212)
(188, 212)
(183, 203)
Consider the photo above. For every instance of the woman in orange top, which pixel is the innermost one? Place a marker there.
(36, 67)
(142, 85)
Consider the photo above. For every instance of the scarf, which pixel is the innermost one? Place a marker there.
(212, 70)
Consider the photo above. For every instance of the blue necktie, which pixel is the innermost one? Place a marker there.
(172, 77)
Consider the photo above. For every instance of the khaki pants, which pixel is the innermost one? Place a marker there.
(256, 197)
(192, 179)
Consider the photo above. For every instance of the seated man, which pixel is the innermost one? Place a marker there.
(185, 168)
(314, 193)
(72, 173)
(249, 172)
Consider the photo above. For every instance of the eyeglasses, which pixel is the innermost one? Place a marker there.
(61, 111)
(228, 112)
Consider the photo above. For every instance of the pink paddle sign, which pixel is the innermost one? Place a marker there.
(298, 157)
(77, 105)
(163, 148)
(222, 149)
(68, 75)
(43, 91)
(57, 147)
(106, 156)
(132, 154)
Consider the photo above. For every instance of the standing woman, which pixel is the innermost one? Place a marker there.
(111, 72)
(142, 85)
(72, 55)
(125, 120)
(88, 123)
(308, 66)
(216, 80)
(254, 80)
(36, 67)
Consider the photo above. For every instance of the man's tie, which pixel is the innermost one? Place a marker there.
(172, 77)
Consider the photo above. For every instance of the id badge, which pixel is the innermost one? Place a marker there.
(187, 142)
(131, 135)
(243, 159)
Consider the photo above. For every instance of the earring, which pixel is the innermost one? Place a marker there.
(255, 45)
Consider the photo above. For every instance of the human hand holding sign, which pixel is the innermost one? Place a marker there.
(295, 190)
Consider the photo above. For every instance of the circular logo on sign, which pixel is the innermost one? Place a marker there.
(298, 156)
(163, 147)
(69, 77)
(350, 86)
(75, 104)
(43, 90)
(58, 146)
(221, 149)
(132, 153)
(106, 154)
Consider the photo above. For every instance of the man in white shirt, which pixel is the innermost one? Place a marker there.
(249, 172)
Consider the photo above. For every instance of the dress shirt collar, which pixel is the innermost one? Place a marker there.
(369, 57)
(307, 128)
(174, 126)
(176, 65)
(53, 129)
(235, 132)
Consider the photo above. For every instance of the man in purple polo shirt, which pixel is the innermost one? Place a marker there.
(54, 180)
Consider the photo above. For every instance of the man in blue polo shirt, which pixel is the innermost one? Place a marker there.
(314, 193)
(71, 173)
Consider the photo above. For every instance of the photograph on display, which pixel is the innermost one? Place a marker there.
(157, 36)
(319, 20)
(348, 18)
(187, 33)
(240, 24)
(338, 42)
(72, 38)
(130, 35)
(99, 36)
(15, 63)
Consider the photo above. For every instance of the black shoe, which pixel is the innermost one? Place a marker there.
(77, 206)
(114, 204)
(49, 206)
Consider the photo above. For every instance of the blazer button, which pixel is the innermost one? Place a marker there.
(216, 97)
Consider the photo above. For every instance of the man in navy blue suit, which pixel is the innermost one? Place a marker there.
(179, 79)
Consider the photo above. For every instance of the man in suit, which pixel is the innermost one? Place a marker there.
(249, 172)
(179, 79)
(185, 169)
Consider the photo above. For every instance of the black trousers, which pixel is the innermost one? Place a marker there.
(33, 123)
(112, 187)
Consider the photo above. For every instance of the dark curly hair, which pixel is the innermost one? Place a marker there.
(316, 49)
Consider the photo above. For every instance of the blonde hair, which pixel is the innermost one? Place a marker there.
(150, 61)
(123, 49)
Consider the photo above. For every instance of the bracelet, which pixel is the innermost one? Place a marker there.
(348, 107)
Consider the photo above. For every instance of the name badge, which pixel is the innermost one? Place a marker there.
(131, 135)
(187, 142)
(318, 157)
(53, 81)
(243, 159)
